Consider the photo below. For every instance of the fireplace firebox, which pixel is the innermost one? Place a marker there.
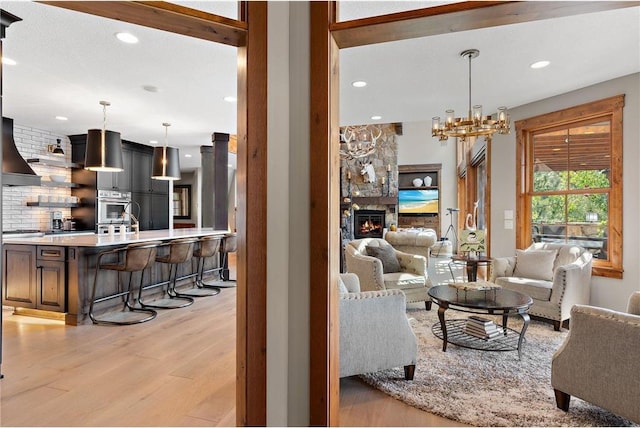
(368, 223)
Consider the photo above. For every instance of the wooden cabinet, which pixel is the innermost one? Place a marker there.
(141, 178)
(153, 214)
(117, 180)
(34, 277)
(425, 177)
(19, 276)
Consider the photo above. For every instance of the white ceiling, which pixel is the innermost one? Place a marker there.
(68, 62)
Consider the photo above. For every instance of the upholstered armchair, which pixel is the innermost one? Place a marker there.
(598, 362)
(556, 276)
(413, 241)
(375, 333)
(389, 269)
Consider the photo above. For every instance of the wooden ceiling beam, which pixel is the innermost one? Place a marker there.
(165, 16)
(450, 18)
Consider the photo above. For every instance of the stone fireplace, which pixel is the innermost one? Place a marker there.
(360, 196)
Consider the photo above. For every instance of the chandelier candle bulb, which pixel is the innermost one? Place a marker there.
(449, 118)
(477, 114)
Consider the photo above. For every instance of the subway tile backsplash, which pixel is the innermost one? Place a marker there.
(32, 143)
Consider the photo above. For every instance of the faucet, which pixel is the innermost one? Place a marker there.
(135, 223)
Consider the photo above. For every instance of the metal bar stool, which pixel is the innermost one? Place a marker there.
(136, 258)
(209, 247)
(180, 251)
(229, 245)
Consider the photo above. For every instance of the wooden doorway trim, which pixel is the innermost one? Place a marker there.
(250, 36)
(327, 37)
(324, 227)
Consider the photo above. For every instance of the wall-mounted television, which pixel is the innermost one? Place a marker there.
(412, 201)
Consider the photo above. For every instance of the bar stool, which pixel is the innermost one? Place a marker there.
(180, 251)
(209, 247)
(229, 245)
(137, 257)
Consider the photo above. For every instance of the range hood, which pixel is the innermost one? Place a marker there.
(15, 170)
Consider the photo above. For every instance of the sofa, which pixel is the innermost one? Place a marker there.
(413, 241)
(598, 361)
(375, 333)
(409, 274)
(556, 276)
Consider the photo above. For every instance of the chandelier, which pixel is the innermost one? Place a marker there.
(475, 124)
(359, 141)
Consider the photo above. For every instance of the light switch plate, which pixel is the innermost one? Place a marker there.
(508, 224)
(508, 214)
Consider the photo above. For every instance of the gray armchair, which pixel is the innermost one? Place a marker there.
(555, 284)
(412, 278)
(598, 362)
(375, 333)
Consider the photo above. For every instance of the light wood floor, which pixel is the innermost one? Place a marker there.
(177, 370)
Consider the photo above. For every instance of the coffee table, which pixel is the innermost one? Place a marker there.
(495, 301)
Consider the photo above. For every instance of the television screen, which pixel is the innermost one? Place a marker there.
(412, 201)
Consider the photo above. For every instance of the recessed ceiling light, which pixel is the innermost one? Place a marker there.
(359, 84)
(8, 61)
(62, 118)
(229, 165)
(540, 64)
(376, 117)
(127, 38)
(230, 99)
(153, 142)
(187, 155)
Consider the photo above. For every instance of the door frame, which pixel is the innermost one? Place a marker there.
(327, 37)
(249, 35)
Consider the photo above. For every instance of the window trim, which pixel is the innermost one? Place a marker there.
(611, 108)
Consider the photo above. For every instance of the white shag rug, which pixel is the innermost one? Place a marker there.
(483, 388)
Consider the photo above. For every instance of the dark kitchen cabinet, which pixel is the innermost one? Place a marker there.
(19, 276)
(141, 179)
(42, 285)
(117, 180)
(154, 210)
(135, 178)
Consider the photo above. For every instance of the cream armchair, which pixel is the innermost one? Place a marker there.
(411, 278)
(556, 276)
(375, 333)
(598, 362)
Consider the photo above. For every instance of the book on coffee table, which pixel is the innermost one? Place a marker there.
(482, 328)
(476, 285)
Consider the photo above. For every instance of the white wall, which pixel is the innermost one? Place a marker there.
(288, 215)
(417, 146)
(605, 292)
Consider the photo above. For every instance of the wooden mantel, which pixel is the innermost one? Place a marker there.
(375, 200)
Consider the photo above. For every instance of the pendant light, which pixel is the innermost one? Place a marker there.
(166, 160)
(104, 148)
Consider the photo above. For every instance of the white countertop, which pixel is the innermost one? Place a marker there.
(104, 240)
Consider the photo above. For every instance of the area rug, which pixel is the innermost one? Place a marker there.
(488, 388)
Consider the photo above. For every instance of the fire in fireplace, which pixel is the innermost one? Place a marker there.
(368, 223)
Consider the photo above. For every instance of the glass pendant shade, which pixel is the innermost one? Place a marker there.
(104, 151)
(166, 163)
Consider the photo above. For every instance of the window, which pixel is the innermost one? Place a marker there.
(570, 181)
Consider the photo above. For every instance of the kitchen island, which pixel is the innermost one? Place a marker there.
(54, 274)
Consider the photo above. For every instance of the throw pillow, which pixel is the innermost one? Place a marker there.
(342, 288)
(387, 256)
(535, 264)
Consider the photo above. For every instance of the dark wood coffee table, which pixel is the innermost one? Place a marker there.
(495, 301)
